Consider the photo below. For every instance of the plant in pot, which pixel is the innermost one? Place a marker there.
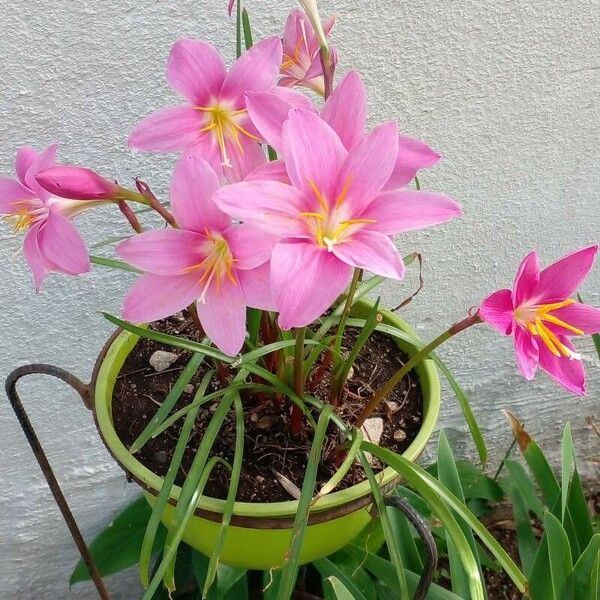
(282, 404)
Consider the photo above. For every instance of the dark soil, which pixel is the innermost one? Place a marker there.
(270, 450)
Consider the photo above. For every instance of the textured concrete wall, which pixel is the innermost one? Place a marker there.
(508, 90)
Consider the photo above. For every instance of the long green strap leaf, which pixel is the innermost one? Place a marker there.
(559, 553)
(112, 263)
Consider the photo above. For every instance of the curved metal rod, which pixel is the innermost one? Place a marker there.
(84, 391)
(426, 537)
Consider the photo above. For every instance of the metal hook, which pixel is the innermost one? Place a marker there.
(84, 391)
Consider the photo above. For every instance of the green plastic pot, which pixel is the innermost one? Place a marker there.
(260, 533)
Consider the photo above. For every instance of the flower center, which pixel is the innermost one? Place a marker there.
(225, 125)
(535, 319)
(329, 225)
(26, 213)
(293, 65)
(216, 265)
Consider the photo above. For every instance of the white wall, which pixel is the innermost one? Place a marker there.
(508, 90)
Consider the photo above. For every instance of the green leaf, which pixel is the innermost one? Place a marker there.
(167, 485)
(109, 241)
(118, 546)
(474, 482)
(232, 583)
(440, 499)
(340, 591)
(344, 467)
(236, 471)
(169, 402)
(112, 263)
(578, 509)
(595, 580)
(246, 28)
(328, 569)
(525, 538)
(567, 461)
(559, 553)
(448, 476)
(170, 340)
(354, 571)
(253, 319)
(579, 584)
(401, 530)
(519, 477)
(595, 336)
(540, 581)
(289, 570)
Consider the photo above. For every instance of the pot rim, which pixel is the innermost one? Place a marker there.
(108, 366)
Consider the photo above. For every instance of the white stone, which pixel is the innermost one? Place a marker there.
(162, 360)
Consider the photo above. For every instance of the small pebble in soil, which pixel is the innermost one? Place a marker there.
(189, 389)
(399, 435)
(161, 360)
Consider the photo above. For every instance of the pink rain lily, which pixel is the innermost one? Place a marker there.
(215, 124)
(346, 112)
(78, 183)
(541, 316)
(333, 216)
(301, 64)
(52, 243)
(220, 266)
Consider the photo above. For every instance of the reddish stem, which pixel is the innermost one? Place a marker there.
(130, 216)
(153, 202)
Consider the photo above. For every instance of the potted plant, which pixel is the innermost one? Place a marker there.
(281, 404)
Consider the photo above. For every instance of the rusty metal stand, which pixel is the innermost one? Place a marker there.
(84, 391)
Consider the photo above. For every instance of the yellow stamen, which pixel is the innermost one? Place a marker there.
(561, 323)
(344, 192)
(315, 215)
(319, 195)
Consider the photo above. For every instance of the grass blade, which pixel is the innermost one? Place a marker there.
(169, 402)
(578, 508)
(112, 263)
(170, 340)
(559, 553)
(340, 591)
(567, 462)
(344, 467)
(329, 569)
(288, 574)
(526, 541)
(246, 28)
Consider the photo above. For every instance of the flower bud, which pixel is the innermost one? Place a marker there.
(78, 183)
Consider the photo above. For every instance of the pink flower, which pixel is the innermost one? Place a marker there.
(222, 266)
(215, 123)
(230, 7)
(51, 243)
(346, 112)
(77, 183)
(301, 59)
(541, 316)
(334, 215)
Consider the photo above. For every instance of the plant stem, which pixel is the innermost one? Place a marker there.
(328, 69)
(299, 361)
(130, 216)
(347, 307)
(504, 459)
(153, 202)
(414, 360)
(238, 29)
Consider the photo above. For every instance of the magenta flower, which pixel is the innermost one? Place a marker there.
(334, 215)
(346, 112)
(541, 316)
(224, 267)
(215, 123)
(78, 183)
(301, 59)
(51, 243)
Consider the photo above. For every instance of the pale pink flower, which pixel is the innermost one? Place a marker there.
(214, 124)
(221, 266)
(333, 216)
(78, 183)
(52, 243)
(301, 53)
(541, 316)
(230, 7)
(346, 112)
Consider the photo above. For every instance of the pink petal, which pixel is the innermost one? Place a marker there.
(372, 251)
(399, 211)
(526, 280)
(293, 31)
(272, 171)
(312, 152)
(567, 372)
(561, 279)
(255, 70)
(305, 280)
(164, 251)
(34, 257)
(413, 155)
(249, 245)
(45, 160)
(346, 109)
(269, 111)
(497, 310)
(581, 316)
(195, 70)
(244, 159)
(526, 350)
(62, 245)
(230, 7)
(223, 316)
(26, 157)
(11, 192)
(192, 188)
(68, 181)
(270, 205)
(153, 297)
(256, 284)
(168, 130)
(368, 166)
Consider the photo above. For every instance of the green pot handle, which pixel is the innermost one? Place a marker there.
(83, 390)
(426, 537)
